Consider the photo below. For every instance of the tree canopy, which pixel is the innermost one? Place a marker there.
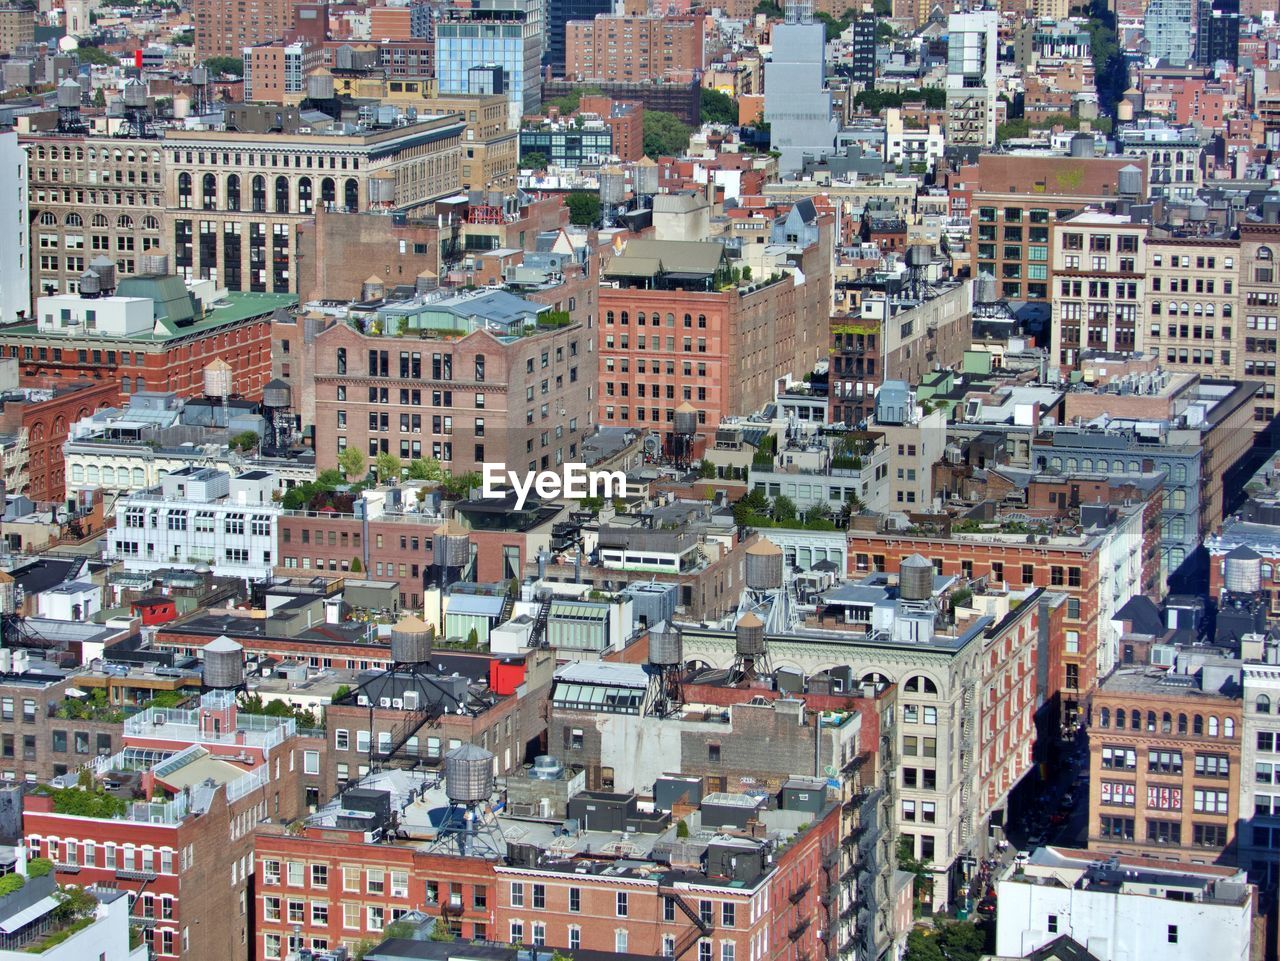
(352, 462)
(97, 56)
(717, 107)
(665, 134)
(220, 65)
(935, 98)
(584, 208)
(535, 160)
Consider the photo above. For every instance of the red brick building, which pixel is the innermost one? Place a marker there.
(173, 359)
(187, 861)
(635, 49)
(45, 417)
(624, 118)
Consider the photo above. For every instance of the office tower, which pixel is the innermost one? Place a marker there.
(864, 51)
(797, 104)
(559, 13)
(1168, 28)
(493, 46)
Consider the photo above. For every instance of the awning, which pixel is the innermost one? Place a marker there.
(17, 922)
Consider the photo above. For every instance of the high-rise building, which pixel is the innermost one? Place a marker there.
(225, 29)
(797, 104)
(559, 13)
(864, 51)
(17, 25)
(15, 290)
(1218, 33)
(493, 46)
(635, 49)
(1167, 26)
(971, 76)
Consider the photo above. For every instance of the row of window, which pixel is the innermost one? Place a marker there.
(1133, 720)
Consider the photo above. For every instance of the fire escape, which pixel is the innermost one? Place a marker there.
(701, 927)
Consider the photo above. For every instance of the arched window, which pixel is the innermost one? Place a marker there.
(48, 220)
(259, 189)
(1262, 704)
(77, 473)
(233, 192)
(150, 223)
(75, 220)
(304, 195)
(100, 220)
(1166, 723)
(1151, 720)
(139, 477)
(1213, 725)
(1228, 727)
(919, 684)
(1182, 724)
(209, 192)
(1104, 717)
(124, 222)
(328, 191)
(351, 194)
(1120, 718)
(184, 190)
(109, 476)
(282, 195)
(1264, 253)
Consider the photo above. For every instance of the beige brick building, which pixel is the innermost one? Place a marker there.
(634, 48)
(17, 25)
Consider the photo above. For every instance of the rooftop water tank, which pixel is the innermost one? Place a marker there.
(277, 394)
(223, 663)
(452, 544)
(666, 648)
(411, 641)
(1242, 571)
(686, 419)
(749, 636)
(915, 579)
(764, 566)
(468, 774)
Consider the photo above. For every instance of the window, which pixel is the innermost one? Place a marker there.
(1053, 924)
(319, 875)
(727, 914)
(620, 905)
(294, 874)
(1164, 832)
(539, 896)
(310, 762)
(270, 868)
(575, 900)
(375, 881)
(1173, 934)
(517, 894)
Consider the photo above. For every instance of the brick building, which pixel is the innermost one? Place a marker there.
(17, 26)
(170, 357)
(1164, 763)
(42, 418)
(1015, 206)
(1083, 567)
(187, 861)
(672, 333)
(224, 30)
(635, 49)
(526, 399)
(39, 739)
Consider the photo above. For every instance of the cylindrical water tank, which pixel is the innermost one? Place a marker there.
(372, 289)
(764, 566)
(382, 189)
(105, 268)
(1082, 145)
(199, 75)
(452, 544)
(154, 265)
(1124, 111)
(135, 94)
(217, 378)
(1198, 211)
(69, 93)
(223, 663)
(686, 419)
(613, 186)
(90, 284)
(320, 86)
(644, 177)
(915, 579)
(411, 641)
(919, 255)
(468, 774)
(666, 648)
(277, 394)
(1242, 571)
(8, 593)
(750, 636)
(1129, 181)
(985, 288)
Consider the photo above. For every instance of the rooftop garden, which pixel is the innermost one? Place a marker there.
(86, 800)
(254, 704)
(757, 510)
(76, 910)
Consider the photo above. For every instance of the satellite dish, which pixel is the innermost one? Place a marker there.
(68, 43)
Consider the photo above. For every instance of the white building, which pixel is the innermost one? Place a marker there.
(72, 601)
(1125, 909)
(200, 516)
(971, 79)
(1258, 831)
(15, 275)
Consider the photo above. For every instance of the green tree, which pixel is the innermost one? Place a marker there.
(356, 566)
(706, 470)
(440, 932)
(665, 134)
(225, 65)
(534, 160)
(682, 829)
(907, 861)
(473, 639)
(584, 207)
(592, 504)
(961, 941)
(768, 8)
(342, 691)
(399, 929)
(882, 8)
(351, 462)
(387, 466)
(39, 867)
(99, 98)
(184, 38)
(97, 57)
(428, 469)
(717, 107)
(246, 440)
(784, 508)
(923, 946)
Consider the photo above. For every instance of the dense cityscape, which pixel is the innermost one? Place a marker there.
(602, 480)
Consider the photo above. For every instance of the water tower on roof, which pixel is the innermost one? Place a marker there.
(469, 826)
(666, 666)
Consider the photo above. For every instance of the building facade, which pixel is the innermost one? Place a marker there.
(635, 49)
(15, 282)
